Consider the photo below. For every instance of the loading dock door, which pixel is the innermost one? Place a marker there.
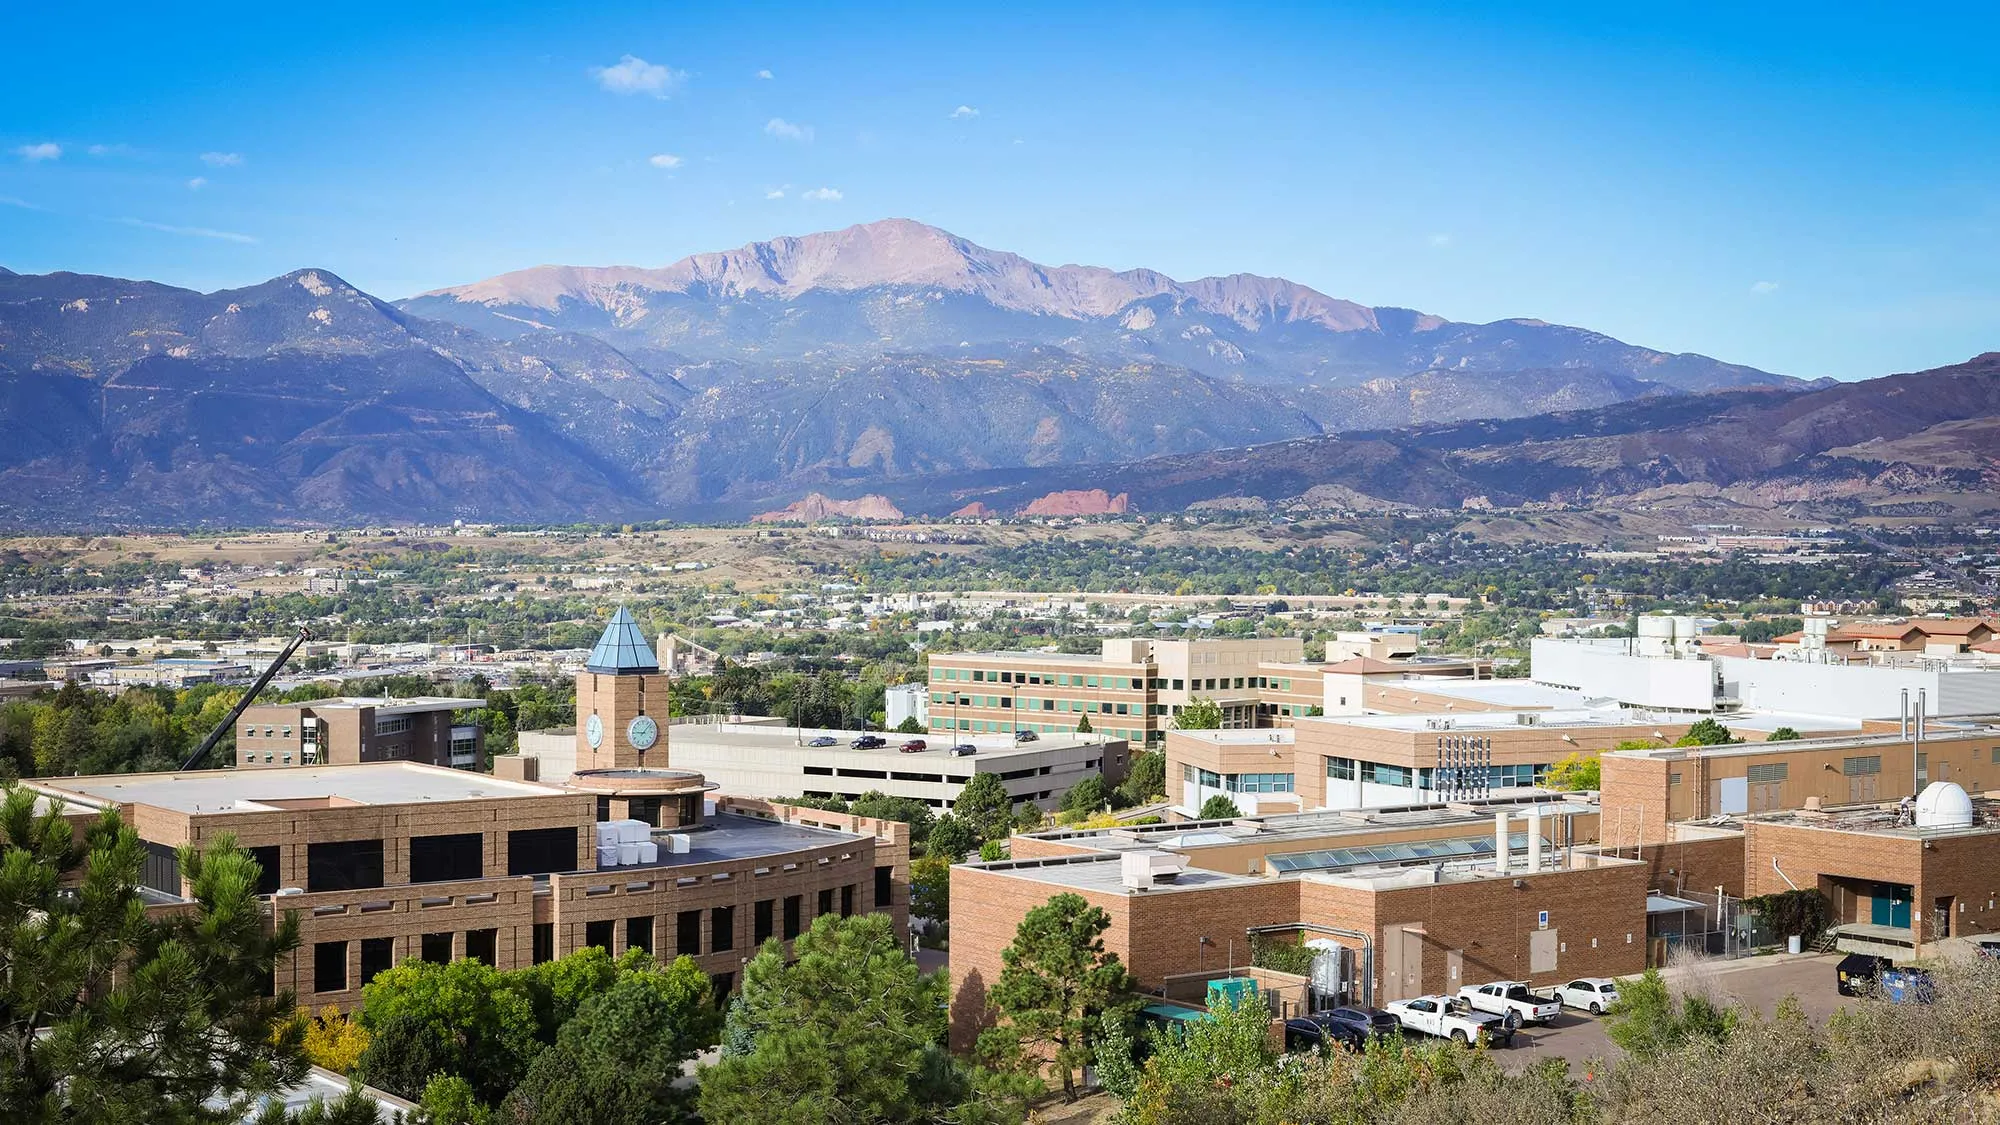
(1402, 961)
(1890, 906)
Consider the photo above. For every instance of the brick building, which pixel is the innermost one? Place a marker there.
(349, 729)
(389, 860)
(1405, 902)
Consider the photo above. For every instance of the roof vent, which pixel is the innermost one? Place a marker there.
(1943, 805)
(1143, 870)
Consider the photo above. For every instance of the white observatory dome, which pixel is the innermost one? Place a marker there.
(1943, 805)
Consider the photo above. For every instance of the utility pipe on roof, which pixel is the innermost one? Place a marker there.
(1367, 949)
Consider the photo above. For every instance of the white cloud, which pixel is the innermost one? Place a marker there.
(1764, 287)
(47, 150)
(222, 159)
(109, 150)
(787, 131)
(775, 193)
(198, 183)
(1439, 240)
(634, 75)
(664, 160)
(764, 74)
(824, 194)
(964, 111)
(12, 201)
(193, 232)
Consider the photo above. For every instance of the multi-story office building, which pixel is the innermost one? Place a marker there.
(388, 860)
(1131, 689)
(353, 729)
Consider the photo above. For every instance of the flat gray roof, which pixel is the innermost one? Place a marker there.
(751, 736)
(242, 790)
(725, 836)
(1503, 693)
(1106, 873)
(385, 704)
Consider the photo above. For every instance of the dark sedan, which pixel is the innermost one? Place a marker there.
(1346, 1027)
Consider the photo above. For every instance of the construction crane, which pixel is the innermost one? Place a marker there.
(229, 721)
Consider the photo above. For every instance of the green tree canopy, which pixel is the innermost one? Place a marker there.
(909, 810)
(1199, 714)
(984, 805)
(1706, 732)
(464, 1019)
(1784, 734)
(952, 838)
(909, 725)
(1056, 983)
(1087, 795)
(1577, 772)
(1649, 1021)
(1218, 807)
(1146, 779)
(618, 1059)
(850, 1032)
(107, 1015)
(930, 887)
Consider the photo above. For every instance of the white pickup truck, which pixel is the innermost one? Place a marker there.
(1504, 996)
(1437, 1015)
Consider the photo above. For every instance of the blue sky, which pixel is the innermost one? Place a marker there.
(1810, 189)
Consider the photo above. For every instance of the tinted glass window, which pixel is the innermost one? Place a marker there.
(344, 866)
(538, 851)
(267, 868)
(435, 859)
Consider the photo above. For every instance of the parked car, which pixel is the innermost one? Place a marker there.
(915, 745)
(963, 750)
(824, 740)
(1987, 947)
(869, 742)
(1437, 1016)
(1026, 736)
(1362, 1022)
(1856, 973)
(1502, 997)
(1307, 1033)
(1593, 994)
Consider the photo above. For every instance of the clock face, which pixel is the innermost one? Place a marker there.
(593, 731)
(642, 733)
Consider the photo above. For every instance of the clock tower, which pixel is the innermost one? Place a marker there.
(621, 701)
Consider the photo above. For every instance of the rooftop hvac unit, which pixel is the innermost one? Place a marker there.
(678, 843)
(1145, 869)
(1527, 718)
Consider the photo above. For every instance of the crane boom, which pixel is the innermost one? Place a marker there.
(236, 712)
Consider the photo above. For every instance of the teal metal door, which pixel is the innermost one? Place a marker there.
(1890, 906)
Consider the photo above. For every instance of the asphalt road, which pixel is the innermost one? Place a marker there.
(1758, 982)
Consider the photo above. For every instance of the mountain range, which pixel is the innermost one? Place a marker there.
(890, 358)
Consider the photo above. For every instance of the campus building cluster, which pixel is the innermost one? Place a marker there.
(1407, 831)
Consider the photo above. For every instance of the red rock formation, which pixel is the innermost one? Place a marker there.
(1079, 502)
(818, 506)
(977, 510)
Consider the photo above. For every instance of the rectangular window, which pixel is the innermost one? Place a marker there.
(162, 870)
(545, 942)
(330, 966)
(378, 954)
(344, 866)
(538, 851)
(483, 946)
(721, 984)
(794, 908)
(639, 932)
(1870, 763)
(1775, 772)
(437, 859)
(392, 724)
(825, 902)
(436, 948)
(598, 934)
(847, 901)
(762, 925)
(884, 886)
(722, 928)
(687, 933)
(1379, 773)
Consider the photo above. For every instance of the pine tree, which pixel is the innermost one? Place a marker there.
(110, 1016)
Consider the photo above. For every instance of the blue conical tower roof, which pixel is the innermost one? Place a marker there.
(622, 648)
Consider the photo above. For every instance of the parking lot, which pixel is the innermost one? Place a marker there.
(1757, 982)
